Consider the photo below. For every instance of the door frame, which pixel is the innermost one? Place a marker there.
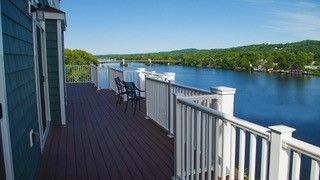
(4, 122)
(41, 25)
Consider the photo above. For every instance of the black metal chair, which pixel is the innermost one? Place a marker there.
(133, 94)
(120, 88)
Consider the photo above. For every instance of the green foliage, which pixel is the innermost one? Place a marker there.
(78, 73)
(79, 57)
(284, 59)
(266, 56)
(78, 65)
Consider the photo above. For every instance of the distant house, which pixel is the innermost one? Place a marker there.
(32, 83)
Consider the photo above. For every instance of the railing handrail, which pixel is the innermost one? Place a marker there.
(302, 147)
(157, 80)
(116, 69)
(192, 88)
(73, 65)
(180, 85)
(241, 123)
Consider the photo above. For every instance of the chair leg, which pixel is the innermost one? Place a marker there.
(118, 100)
(135, 107)
(139, 105)
(126, 106)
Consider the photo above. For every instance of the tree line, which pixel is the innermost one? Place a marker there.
(79, 57)
(260, 57)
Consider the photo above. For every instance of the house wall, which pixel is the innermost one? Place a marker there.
(20, 85)
(53, 71)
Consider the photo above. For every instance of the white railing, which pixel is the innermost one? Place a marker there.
(82, 74)
(206, 148)
(132, 76)
(159, 100)
(94, 75)
(136, 76)
(112, 74)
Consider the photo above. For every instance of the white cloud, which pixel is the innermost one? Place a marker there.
(298, 19)
(300, 24)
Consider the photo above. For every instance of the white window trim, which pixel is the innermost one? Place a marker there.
(56, 16)
(61, 73)
(4, 122)
(43, 135)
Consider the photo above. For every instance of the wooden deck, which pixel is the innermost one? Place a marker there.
(101, 142)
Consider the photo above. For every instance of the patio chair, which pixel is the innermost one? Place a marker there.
(120, 88)
(133, 95)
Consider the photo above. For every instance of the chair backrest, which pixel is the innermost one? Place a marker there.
(131, 90)
(119, 84)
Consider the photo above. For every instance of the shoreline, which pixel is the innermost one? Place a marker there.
(298, 73)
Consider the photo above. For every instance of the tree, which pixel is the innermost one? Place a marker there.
(284, 59)
(302, 59)
(79, 57)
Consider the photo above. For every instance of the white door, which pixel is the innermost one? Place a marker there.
(41, 82)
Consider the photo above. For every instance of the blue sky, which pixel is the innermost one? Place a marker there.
(136, 26)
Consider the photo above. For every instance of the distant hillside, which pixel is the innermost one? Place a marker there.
(259, 56)
(306, 45)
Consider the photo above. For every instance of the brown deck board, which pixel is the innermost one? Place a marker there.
(100, 141)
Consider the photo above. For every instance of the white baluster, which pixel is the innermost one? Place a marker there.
(314, 175)
(296, 162)
(242, 150)
(188, 142)
(209, 143)
(192, 128)
(198, 144)
(233, 153)
(252, 156)
(264, 159)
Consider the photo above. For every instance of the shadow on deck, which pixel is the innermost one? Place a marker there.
(101, 142)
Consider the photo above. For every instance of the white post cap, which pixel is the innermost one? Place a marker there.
(281, 129)
(223, 90)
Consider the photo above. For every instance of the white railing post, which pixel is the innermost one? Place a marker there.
(178, 136)
(142, 78)
(97, 77)
(170, 111)
(91, 73)
(279, 157)
(225, 104)
(170, 76)
(108, 78)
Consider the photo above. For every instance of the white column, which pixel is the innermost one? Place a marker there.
(142, 77)
(225, 104)
(61, 73)
(97, 77)
(279, 157)
(178, 136)
(170, 76)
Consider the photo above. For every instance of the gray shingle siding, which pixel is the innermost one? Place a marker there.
(53, 73)
(20, 85)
